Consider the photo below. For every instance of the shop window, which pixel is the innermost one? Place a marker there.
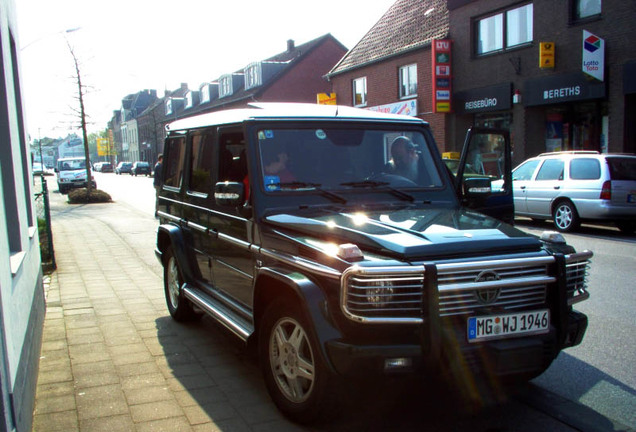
(504, 30)
(585, 9)
(408, 81)
(552, 169)
(360, 91)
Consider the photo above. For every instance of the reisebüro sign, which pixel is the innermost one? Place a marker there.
(485, 99)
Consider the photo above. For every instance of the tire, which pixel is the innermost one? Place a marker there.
(297, 379)
(626, 227)
(565, 217)
(179, 307)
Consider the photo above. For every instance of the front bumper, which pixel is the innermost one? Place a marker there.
(521, 357)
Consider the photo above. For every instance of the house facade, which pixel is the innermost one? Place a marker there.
(391, 69)
(294, 75)
(558, 75)
(22, 303)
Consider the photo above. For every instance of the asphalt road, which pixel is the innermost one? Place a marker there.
(589, 387)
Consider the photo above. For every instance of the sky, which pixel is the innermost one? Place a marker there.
(124, 46)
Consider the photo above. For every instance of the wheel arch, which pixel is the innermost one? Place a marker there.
(173, 236)
(272, 284)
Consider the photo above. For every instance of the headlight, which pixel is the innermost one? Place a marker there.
(379, 293)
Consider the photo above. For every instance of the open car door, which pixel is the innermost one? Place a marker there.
(484, 175)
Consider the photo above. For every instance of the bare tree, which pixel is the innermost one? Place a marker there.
(82, 115)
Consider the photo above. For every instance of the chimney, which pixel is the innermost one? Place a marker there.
(290, 45)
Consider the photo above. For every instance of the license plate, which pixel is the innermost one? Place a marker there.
(508, 325)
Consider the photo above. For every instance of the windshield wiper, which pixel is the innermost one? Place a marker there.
(376, 184)
(313, 186)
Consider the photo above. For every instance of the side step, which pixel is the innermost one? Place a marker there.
(236, 324)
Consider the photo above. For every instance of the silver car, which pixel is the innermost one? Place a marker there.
(572, 186)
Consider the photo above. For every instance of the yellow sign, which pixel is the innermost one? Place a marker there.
(443, 107)
(546, 55)
(326, 99)
(104, 148)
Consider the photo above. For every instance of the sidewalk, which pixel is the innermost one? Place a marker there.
(113, 359)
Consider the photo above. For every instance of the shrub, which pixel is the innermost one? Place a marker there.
(81, 196)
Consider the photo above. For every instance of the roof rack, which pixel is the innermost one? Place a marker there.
(570, 152)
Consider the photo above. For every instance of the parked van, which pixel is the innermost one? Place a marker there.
(71, 173)
(337, 243)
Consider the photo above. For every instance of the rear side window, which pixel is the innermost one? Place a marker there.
(552, 169)
(585, 169)
(201, 170)
(173, 163)
(622, 168)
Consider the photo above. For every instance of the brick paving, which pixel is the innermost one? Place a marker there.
(112, 358)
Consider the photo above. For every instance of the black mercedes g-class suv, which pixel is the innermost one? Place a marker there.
(337, 241)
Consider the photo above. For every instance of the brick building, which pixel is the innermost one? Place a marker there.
(390, 67)
(294, 75)
(499, 80)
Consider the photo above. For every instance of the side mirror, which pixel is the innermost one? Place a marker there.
(477, 186)
(230, 194)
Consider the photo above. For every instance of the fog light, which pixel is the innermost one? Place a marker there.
(397, 363)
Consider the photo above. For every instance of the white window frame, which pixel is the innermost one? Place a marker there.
(509, 29)
(225, 86)
(408, 81)
(205, 94)
(168, 106)
(584, 9)
(189, 100)
(359, 83)
(253, 75)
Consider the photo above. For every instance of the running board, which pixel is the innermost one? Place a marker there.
(237, 325)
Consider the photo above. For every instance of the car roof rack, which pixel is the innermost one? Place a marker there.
(570, 152)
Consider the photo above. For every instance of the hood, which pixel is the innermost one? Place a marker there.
(409, 234)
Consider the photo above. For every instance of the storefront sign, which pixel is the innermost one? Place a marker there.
(441, 61)
(593, 55)
(493, 98)
(561, 88)
(408, 108)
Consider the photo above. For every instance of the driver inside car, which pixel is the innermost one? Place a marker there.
(404, 159)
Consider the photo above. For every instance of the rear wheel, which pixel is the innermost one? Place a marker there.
(179, 307)
(565, 217)
(296, 376)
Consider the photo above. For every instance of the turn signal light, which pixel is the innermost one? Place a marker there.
(606, 191)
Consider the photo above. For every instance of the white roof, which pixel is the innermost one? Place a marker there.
(286, 110)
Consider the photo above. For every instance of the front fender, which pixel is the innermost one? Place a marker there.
(274, 282)
(173, 236)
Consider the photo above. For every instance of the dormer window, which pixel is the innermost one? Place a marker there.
(188, 100)
(191, 99)
(225, 86)
(168, 106)
(253, 75)
(205, 93)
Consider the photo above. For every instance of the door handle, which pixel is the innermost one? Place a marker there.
(557, 187)
(522, 187)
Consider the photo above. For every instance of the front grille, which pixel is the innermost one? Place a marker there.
(389, 294)
(510, 284)
(576, 271)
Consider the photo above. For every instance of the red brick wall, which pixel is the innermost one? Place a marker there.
(383, 88)
(305, 79)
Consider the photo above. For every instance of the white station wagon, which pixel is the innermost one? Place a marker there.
(569, 187)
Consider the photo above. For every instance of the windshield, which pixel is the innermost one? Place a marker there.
(344, 159)
(71, 164)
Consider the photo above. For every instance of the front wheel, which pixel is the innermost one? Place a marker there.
(295, 374)
(565, 217)
(179, 306)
